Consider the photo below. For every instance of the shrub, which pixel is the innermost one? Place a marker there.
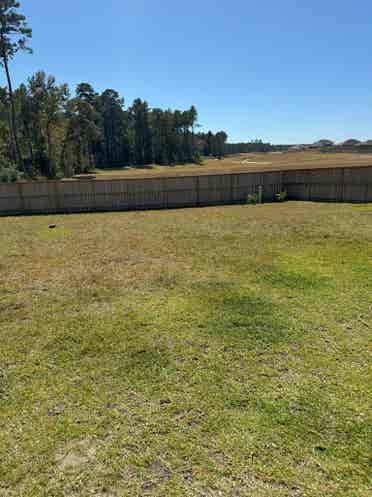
(252, 199)
(281, 197)
(8, 171)
(198, 159)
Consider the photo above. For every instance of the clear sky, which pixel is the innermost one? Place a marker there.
(289, 71)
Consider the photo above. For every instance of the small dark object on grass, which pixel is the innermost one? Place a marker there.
(52, 226)
(320, 448)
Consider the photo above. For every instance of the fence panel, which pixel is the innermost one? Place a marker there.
(358, 175)
(111, 195)
(328, 192)
(356, 193)
(314, 176)
(10, 198)
(38, 196)
(244, 184)
(74, 196)
(215, 189)
(181, 191)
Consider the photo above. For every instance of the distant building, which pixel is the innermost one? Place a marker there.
(350, 143)
(297, 148)
(323, 143)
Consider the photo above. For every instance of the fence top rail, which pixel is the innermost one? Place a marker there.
(193, 174)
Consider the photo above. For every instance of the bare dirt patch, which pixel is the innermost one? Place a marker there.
(76, 455)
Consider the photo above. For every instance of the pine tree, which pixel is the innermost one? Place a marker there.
(13, 38)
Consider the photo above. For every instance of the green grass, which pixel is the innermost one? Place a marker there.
(202, 352)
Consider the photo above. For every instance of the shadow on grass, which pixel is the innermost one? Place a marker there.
(227, 312)
(121, 350)
(292, 279)
(146, 364)
(4, 384)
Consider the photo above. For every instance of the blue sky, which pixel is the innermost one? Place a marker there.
(285, 71)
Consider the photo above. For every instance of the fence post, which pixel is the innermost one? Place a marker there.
(94, 199)
(343, 186)
(57, 199)
(21, 197)
(197, 191)
(260, 191)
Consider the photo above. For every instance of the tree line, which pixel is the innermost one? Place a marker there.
(61, 135)
(247, 147)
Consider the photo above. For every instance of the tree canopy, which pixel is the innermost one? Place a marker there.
(61, 133)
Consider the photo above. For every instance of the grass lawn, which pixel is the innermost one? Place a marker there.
(245, 162)
(200, 352)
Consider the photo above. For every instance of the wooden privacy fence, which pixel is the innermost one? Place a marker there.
(346, 184)
(351, 184)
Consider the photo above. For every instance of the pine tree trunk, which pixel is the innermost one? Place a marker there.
(12, 114)
(51, 172)
(11, 144)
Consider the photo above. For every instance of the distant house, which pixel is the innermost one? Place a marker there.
(350, 143)
(367, 142)
(323, 143)
(297, 148)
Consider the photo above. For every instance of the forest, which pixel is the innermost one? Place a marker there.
(62, 135)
